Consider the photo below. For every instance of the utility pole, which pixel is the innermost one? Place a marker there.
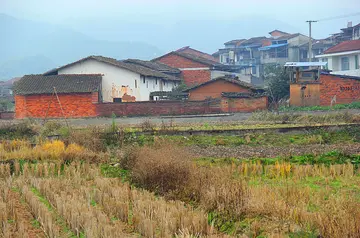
(310, 40)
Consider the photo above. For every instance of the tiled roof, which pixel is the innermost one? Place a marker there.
(286, 37)
(242, 95)
(154, 65)
(344, 46)
(64, 83)
(253, 40)
(191, 51)
(198, 59)
(279, 31)
(234, 41)
(228, 79)
(129, 66)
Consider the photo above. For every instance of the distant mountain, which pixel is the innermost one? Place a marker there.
(206, 34)
(32, 47)
(25, 65)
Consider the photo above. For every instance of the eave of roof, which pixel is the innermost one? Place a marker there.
(279, 31)
(350, 45)
(129, 66)
(63, 83)
(341, 76)
(158, 66)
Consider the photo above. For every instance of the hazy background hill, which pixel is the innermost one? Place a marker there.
(29, 47)
(33, 47)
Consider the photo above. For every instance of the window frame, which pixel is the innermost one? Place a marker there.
(342, 59)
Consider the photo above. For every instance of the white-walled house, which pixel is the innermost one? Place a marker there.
(343, 58)
(121, 81)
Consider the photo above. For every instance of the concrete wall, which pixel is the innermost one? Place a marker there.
(117, 81)
(334, 64)
(304, 94)
(214, 90)
(73, 105)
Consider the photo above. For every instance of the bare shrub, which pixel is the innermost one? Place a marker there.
(161, 169)
(90, 139)
(147, 126)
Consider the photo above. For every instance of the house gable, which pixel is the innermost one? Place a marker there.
(214, 89)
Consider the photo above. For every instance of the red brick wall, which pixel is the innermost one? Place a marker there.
(346, 90)
(177, 61)
(244, 104)
(74, 105)
(196, 77)
(158, 108)
(191, 77)
(214, 90)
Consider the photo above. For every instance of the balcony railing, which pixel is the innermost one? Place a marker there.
(247, 62)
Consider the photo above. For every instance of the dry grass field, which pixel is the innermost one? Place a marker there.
(111, 182)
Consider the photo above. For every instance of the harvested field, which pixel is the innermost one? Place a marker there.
(116, 182)
(246, 152)
(17, 219)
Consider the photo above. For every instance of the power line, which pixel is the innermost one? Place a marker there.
(338, 17)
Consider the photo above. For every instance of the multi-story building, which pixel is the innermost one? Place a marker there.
(243, 55)
(249, 56)
(349, 33)
(343, 58)
(284, 47)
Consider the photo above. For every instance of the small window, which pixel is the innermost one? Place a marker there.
(357, 62)
(156, 81)
(144, 79)
(345, 63)
(117, 99)
(164, 83)
(135, 83)
(254, 70)
(306, 75)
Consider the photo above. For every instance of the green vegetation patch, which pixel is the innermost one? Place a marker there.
(353, 105)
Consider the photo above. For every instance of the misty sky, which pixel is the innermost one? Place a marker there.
(99, 18)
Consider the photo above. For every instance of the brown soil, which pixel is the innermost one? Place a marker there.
(24, 217)
(245, 151)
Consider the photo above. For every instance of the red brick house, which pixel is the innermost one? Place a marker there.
(76, 95)
(235, 95)
(195, 68)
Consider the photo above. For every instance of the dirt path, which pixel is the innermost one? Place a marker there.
(245, 151)
(124, 121)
